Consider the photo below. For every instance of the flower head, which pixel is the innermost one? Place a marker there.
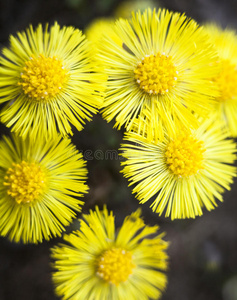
(98, 28)
(162, 69)
(225, 42)
(47, 77)
(184, 172)
(40, 183)
(98, 263)
(125, 8)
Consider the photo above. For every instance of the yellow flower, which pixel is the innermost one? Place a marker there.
(98, 28)
(40, 183)
(184, 172)
(126, 7)
(99, 263)
(163, 67)
(225, 42)
(48, 80)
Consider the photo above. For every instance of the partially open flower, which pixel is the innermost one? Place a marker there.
(99, 263)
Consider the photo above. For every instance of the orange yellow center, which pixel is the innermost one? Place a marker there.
(24, 182)
(184, 155)
(115, 265)
(156, 74)
(227, 81)
(43, 77)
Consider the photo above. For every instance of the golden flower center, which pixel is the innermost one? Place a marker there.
(227, 81)
(24, 182)
(115, 265)
(184, 155)
(156, 74)
(43, 77)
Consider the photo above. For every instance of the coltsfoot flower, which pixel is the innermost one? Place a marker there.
(49, 81)
(40, 186)
(99, 263)
(225, 42)
(162, 69)
(98, 28)
(182, 174)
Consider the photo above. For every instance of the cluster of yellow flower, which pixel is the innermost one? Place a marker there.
(172, 84)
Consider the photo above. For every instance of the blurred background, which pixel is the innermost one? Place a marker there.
(203, 252)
